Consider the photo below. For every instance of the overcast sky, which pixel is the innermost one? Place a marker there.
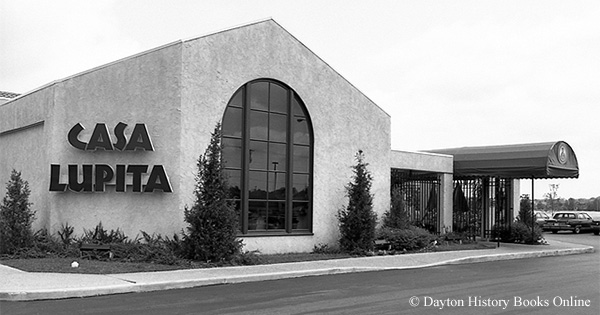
(450, 73)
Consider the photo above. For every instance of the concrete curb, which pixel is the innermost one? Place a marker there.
(129, 286)
(532, 254)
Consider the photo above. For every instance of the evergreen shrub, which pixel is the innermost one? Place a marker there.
(16, 216)
(407, 239)
(358, 220)
(518, 232)
(397, 216)
(212, 220)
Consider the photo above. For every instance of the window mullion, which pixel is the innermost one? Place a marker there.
(245, 157)
(290, 166)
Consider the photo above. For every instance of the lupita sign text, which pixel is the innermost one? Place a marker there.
(125, 177)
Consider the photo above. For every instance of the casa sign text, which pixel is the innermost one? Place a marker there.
(125, 177)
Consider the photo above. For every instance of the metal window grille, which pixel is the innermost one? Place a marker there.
(419, 193)
(481, 205)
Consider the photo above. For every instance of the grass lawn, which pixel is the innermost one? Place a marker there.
(63, 265)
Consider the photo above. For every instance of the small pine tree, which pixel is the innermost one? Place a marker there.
(525, 210)
(213, 221)
(397, 217)
(16, 216)
(358, 220)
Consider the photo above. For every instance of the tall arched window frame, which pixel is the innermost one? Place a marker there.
(267, 140)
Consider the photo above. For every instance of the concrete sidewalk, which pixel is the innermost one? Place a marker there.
(17, 285)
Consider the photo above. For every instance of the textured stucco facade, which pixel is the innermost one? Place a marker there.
(180, 91)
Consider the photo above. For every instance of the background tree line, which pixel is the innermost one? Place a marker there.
(552, 204)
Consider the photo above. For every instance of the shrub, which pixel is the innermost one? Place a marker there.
(324, 249)
(247, 258)
(397, 216)
(16, 216)
(101, 236)
(66, 233)
(525, 210)
(142, 252)
(213, 222)
(44, 245)
(358, 220)
(502, 233)
(521, 232)
(410, 239)
(457, 237)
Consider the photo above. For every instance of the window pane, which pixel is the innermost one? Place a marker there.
(278, 128)
(237, 205)
(278, 99)
(232, 122)
(258, 155)
(301, 135)
(301, 159)
(300, 216)
(257, 182)
(259, 96)
(296, 108)
(232, 152)
(257, 215)
(276, 216)
(234, 179)
(258, 125)
(301, 187)
(237, 100)
(277, 185)
(277, 157)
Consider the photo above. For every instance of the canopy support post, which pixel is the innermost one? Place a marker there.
(532, 210)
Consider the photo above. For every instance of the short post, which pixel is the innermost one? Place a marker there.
(532, 211)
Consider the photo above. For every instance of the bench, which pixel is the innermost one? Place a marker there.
(382, 245)
(94, 250)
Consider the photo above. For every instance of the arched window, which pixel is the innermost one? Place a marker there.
(268, 155)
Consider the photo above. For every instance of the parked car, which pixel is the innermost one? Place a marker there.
(568, 221)
(541, 217)
(595, 221)
(596, 227)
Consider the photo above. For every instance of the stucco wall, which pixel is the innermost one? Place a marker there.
(23, 151)
(23, 146)
(422, 161)
(26, 111)
(140, 89)
(344, 120)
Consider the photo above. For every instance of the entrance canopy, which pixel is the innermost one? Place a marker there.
(533, 160)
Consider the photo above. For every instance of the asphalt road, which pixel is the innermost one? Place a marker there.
(551, 285)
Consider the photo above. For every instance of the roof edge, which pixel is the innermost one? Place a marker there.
(189, 39)
(145, 52)
(194, 38)
(333, 69)
(423, 153)
(549, 143)
(270, 19)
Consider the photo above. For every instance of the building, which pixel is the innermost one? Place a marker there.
(118, 144)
